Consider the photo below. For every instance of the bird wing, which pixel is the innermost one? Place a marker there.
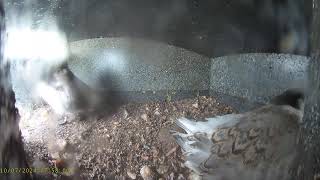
(225, 147)
(197, 144)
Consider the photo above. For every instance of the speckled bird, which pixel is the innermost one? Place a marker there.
(257, 145)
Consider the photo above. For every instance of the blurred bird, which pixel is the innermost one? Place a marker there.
(259, 144)
(79, 98)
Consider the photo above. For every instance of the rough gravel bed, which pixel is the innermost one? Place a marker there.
(133, 143)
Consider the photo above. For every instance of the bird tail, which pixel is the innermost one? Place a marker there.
(195, 146)
(196, 143)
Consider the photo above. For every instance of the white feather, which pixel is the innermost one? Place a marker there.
(196, 144)
(210, 125)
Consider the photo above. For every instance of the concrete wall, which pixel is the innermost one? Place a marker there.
(309, 162)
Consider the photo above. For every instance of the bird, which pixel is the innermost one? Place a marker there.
(78, 98)
(259, 144)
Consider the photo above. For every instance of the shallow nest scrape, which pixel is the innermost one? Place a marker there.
(132, 143)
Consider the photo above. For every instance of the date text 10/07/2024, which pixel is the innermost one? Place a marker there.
(43, 170)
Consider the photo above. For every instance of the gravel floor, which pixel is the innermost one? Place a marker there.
(133, 143)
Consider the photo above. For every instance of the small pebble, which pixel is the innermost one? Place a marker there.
(147, 173)
(125, 114)
(131, 174)
(156, 112)
(181, 177)
(182, 165)
(39, 163)
(144, 117)
(162, 169)
(195, 105)
(171, 176)
(174, 108)
(194, 176)
(55, 155)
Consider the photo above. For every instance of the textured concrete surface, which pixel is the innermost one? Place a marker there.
(309, 161)
(125, 64)
(257, 77)
(141, 69)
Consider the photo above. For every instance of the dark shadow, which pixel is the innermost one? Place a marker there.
(209, 27)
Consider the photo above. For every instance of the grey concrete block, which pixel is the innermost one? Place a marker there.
(125, 64)
(256, 77)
